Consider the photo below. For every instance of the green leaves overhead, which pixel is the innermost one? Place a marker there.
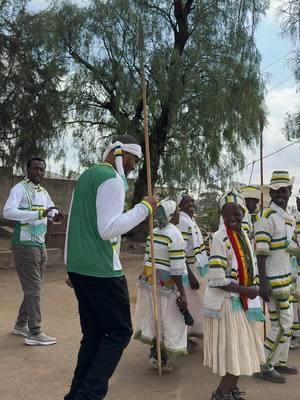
(31, 73)
(289, 12)
(204, 88)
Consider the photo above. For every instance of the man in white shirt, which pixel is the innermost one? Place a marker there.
(96, 222)
(273, 234)
(29, 204)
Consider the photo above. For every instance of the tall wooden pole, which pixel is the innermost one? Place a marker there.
(149, 188)
(262, 201)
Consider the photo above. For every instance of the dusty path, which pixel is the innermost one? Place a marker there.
(36, 373)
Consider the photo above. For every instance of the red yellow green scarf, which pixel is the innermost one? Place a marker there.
(243, 255)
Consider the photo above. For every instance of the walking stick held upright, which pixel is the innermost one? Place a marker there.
(149, 187)
(262, 202)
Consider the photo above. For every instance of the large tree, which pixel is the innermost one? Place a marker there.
(204, 87)
(289, 11)
(32, 98)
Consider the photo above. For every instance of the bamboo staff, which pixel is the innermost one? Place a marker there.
(149, 187)
(262, 202)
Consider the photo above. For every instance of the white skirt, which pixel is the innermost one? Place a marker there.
(229, 343)
(259, 343)
(195, 305)
(172, 326)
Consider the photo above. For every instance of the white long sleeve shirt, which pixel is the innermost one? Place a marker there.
(25, 205)
(96, 223)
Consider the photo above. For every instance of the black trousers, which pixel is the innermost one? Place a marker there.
(105, 319)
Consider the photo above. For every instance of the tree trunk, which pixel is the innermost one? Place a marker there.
(159, 132)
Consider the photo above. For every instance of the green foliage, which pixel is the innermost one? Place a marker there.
(204, 88)
(31, 94)
(208, 208)
(289, 11)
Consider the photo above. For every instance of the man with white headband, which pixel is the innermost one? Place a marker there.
(96, 222)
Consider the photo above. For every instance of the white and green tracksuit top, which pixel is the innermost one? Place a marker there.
(96, 221)
(25, 205)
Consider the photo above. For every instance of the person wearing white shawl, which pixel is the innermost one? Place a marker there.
(170, 267)
(229, 344)
(273, 234)
(196, 260)
(96, 223)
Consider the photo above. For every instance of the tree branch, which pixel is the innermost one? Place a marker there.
(77, 58)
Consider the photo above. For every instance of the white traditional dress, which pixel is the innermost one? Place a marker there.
(197, 261)
(255, 313)
(169, 260)
(229, 340)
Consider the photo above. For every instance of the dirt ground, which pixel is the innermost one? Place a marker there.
(4, 243)
(44, 373)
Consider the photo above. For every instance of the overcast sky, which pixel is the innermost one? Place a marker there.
(282, 98)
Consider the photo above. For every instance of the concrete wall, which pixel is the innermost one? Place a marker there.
(55, 257)
(60, 190)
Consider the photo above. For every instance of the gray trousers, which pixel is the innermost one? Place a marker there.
(30, 262)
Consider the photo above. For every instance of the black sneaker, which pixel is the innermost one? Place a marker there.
(286, 369)
(166, 365)
(236, 394)
(191, 345)
(220, 396)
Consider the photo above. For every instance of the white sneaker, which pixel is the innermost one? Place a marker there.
(20, 330)
(40, 340)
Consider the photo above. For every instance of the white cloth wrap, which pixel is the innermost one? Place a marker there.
(169, 207)
(131, 148)
(181, 195)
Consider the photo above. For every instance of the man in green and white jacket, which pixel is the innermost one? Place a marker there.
(30, 205)
(96, 222)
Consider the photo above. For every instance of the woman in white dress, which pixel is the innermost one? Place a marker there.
(230, 347)
(170, 267)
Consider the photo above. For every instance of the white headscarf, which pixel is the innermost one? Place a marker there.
(165, 211)
(169, 207)
(181, 195)
(118, 148)
(131, 148)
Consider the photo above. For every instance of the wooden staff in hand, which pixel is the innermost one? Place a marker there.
(149, 188)
(262, 202)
